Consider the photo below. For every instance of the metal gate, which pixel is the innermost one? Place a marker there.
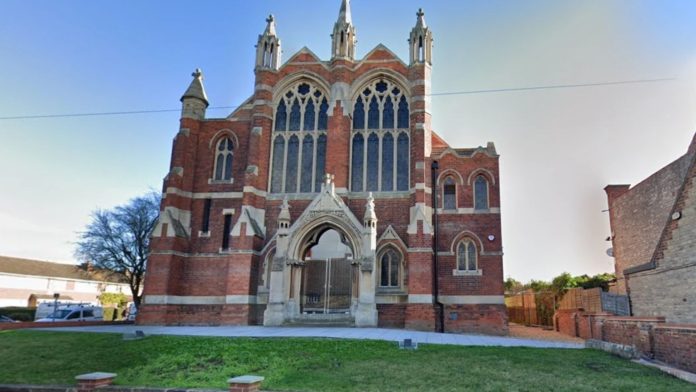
(327, 286)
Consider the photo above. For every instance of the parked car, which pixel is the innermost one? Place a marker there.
(5, 319)
(74, 313)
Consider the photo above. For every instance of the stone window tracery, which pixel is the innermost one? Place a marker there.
(224, 154)
(467, 256)
(380, 143)
(299, 142)
(390, 268)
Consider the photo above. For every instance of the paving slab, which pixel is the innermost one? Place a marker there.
(385, 334)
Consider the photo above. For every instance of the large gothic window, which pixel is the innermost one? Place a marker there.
(299, 144)
(223, 160)
(380, 143)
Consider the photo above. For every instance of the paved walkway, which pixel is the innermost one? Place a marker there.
(339, 333)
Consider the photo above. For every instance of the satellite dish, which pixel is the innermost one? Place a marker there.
(610, 252)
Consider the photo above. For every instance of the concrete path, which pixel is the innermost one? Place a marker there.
(319, 332)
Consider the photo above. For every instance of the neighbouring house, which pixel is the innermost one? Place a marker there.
(29, 282)
(653, 231)
(312, 202)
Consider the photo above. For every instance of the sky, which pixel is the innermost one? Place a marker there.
(558, 147)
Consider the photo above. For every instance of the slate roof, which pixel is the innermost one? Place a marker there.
(17, 266)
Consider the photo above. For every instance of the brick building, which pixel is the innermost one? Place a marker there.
(312, 202)
(653, 228)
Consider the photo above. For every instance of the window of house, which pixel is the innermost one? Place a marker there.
(481, 193)
(380, 142)
(299, 144)
(449, 194)
(390, 268)
(467, 256)
(223, 159)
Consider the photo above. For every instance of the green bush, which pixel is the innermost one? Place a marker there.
(109, 313)
(18, 313)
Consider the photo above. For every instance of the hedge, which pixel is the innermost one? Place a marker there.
(18, 313)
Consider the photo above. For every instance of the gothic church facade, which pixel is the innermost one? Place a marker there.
(326, 198)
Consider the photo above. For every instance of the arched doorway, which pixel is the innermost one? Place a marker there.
(328, 282)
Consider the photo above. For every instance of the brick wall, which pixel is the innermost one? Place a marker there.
(391, 315)
(668, 289)
(676, 345)
(484, 319)
(638, 216)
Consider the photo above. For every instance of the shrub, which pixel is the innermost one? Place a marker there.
(19, 313)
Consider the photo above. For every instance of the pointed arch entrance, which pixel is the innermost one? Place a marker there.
(324, 263)
(329, 276)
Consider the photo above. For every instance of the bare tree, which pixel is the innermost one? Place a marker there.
(119, 239)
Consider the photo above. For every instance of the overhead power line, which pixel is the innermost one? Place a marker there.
(488, 91)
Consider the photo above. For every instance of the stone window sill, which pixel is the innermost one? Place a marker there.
(230, 181)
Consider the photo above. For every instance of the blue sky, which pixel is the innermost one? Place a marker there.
(559, 147)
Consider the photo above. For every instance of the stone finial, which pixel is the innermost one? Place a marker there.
(284, 215)
(370, 217)
(196, 89)
(270, 25)
(268, 46)
(343, 39)
(420, 22)
(421, 41)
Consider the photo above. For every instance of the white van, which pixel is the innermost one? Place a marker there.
(74, 313)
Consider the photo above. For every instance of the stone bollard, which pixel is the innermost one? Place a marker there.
(91, 381)
(245, 383)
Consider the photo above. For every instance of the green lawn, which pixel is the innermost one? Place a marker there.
(39, 357)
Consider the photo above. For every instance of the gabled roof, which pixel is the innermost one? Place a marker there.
(17, 266)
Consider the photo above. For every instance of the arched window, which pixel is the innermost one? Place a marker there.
(390, 268)
(449, 194)
(480, 193)
(467, 256)
(223, 159)
(380, 153)
(299, 149)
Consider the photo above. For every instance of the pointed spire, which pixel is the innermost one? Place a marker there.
(268, 46)
(343, 38)
(344, 14)
(195, 101)
(421, 41)
(196, 89)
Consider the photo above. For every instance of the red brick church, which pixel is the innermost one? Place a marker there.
(312, 202)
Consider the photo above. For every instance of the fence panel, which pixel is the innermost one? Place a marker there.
(615, 303)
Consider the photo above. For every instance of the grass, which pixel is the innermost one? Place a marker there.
(38, 357)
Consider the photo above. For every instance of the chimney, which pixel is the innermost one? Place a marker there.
(614, 191)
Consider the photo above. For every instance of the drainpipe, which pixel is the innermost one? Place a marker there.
(436, 287)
